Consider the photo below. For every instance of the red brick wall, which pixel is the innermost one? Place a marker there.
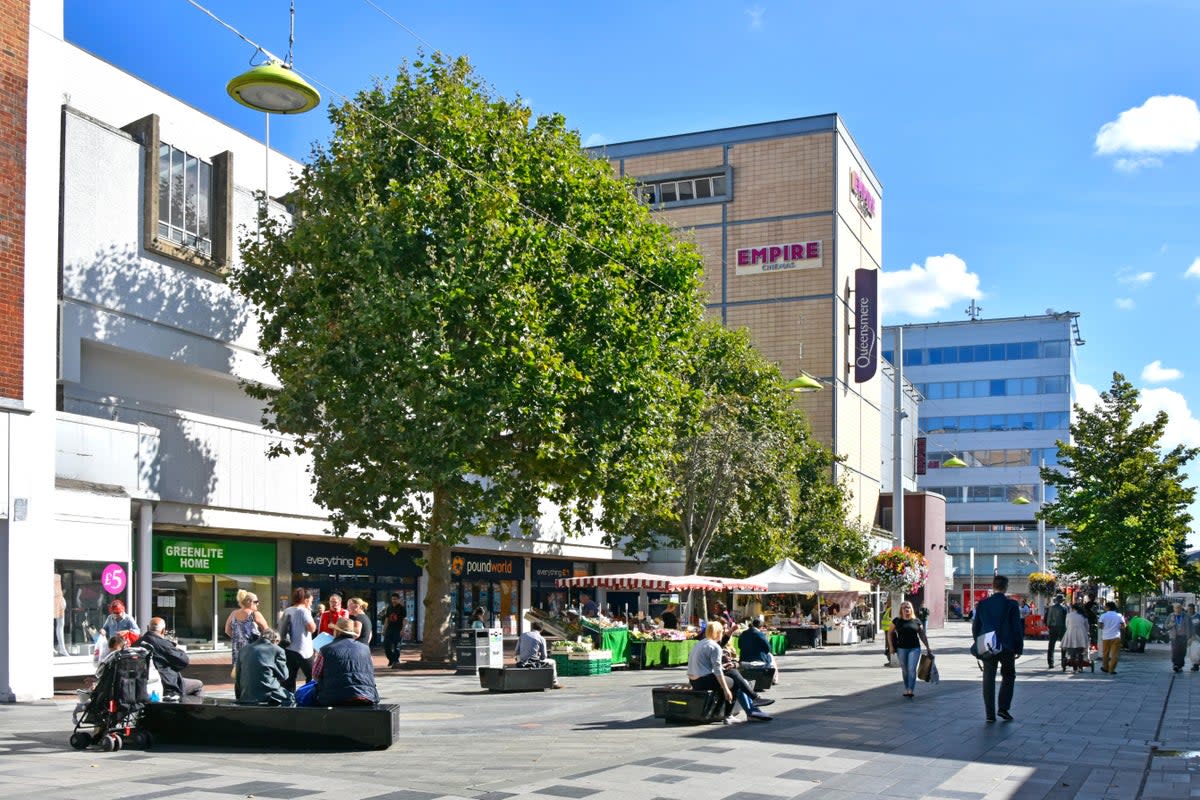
(14, 79)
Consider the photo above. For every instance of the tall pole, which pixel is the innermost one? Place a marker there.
(898, 439)
(1041, 523)
(971, 597)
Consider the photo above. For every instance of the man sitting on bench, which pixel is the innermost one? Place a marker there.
(343, 670)
(169, 659)
(755, 647)
(532, 651)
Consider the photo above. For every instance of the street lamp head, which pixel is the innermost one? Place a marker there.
(1021, 500)
(954, 462)
(804, 383)
(274, 88)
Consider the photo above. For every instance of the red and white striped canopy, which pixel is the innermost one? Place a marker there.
(641, 580)
(660, 583)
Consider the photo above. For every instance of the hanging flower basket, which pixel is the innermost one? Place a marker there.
(898, 570)
(1041, 583)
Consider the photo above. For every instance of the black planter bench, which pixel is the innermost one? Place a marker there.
(226, 724)
(685, 704)
(762, 678)
(516, 679)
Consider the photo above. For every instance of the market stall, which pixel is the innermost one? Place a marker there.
(789, 578)
(838, 588)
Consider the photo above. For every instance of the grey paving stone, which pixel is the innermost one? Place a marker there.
(563, 790)
(665, 778)
(407, 794)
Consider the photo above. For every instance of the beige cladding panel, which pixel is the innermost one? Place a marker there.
(688, 216)
(708, 242)
(776, 177)
(794, 336)
(679, 161)
(810, 280)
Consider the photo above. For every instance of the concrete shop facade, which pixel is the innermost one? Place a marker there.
(784, 213)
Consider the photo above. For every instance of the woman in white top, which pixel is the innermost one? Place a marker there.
(705, 672)
(296, 627)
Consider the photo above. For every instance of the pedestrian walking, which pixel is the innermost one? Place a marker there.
(1112, 622)
(1179, 627)
(1075, 640)
(905, 639)
(394, 617)
(1000, 615)
(1056, 622)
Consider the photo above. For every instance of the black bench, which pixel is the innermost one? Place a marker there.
(226, 724)
(516, 679)
(762, 678)
(685, 704)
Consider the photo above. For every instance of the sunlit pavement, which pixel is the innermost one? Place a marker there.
(841, 731)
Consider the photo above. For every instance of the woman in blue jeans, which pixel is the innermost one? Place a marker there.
(905, 639)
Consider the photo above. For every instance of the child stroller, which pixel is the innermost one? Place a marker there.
(1078, 658)
(114, 705)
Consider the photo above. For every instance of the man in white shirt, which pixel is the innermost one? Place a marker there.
(1112, 622)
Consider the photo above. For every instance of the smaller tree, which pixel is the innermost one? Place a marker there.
(1121, 497)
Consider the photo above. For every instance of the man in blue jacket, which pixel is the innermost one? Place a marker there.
(1003, 616)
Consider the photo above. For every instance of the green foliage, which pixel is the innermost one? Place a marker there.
(463, 292)
(1121, 497)
(747, 483)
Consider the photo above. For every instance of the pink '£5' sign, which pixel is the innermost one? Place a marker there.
(113, 579)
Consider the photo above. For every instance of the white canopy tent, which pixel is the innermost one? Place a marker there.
(831, 580)
(786, 577)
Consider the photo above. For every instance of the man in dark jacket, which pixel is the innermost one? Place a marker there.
(344, 673)
(1056, 621)
(169, 660)
(394, 617)
(261, 671)
(753, 646)
(1002, 616)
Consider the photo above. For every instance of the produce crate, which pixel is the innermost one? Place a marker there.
(596, 662)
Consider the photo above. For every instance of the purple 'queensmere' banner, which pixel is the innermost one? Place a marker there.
(865, 341)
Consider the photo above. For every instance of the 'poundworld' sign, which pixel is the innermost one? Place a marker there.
(214, 556)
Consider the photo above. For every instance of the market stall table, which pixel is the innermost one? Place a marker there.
(646, 654)
(615, 641)
(801, 635)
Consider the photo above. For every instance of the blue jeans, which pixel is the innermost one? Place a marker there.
(909, 658)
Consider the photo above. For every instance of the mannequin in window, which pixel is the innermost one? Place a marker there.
(60, 613)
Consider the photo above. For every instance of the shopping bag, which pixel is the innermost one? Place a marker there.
(1194, 650)
(986, 645)
(925, 666)
(306, 695)
(893, 659)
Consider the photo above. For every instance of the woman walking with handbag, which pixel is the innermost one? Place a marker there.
(905, 640)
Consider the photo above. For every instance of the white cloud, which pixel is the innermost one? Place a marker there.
(1124, 303)
(755, 13)
(1155, 372)
(1194, 270)
(1086, 396)
(595, 140)
(1182, 427)
(1163, 124)
(924, 291)
(1129, 277)
(1134, 164)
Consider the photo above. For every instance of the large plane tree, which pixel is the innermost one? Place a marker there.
(469, 319)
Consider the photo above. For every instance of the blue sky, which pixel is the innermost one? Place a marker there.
(1033, 155)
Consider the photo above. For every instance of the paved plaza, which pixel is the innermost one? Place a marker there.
(841, 732)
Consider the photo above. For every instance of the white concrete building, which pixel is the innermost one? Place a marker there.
(137, 466)
(997, 394)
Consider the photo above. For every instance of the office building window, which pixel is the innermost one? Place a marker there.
(675, 190)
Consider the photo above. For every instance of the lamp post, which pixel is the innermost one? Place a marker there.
(971, 598)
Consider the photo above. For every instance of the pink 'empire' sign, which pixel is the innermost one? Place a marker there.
(862, 195)
(113, 579)
(778, 257)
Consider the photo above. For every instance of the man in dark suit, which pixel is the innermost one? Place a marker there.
(1000, 614)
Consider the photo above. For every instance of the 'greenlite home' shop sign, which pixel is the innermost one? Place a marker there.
(214, 557)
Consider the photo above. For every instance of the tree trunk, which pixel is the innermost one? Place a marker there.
(437, 641)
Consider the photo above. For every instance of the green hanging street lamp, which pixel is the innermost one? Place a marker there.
(273, 88)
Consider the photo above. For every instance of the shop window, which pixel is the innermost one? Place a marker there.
(187, 204)
(81, 600)
(185, 602)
